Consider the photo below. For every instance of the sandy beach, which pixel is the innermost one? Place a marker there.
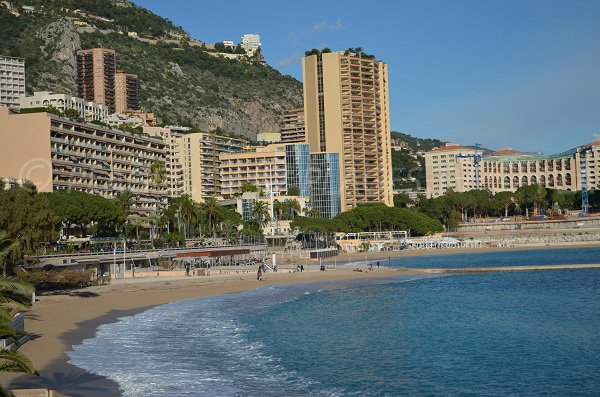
(59, 321)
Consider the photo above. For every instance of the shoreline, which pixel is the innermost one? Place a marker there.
(63, 320)
(56, 329)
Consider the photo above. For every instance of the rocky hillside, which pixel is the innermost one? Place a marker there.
(182, 82)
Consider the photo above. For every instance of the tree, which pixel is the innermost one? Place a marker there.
(158, 171)
(72, 114)
(211, 208)
(248, 187)
(503, 200)
(401, 200)
(260, 213)
(293, 191)
(17, 295)
(124, 201)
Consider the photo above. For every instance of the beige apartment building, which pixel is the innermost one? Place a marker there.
(346, 111)
(12, 80)
(56, 153)
(89, 111)
(96, 69)
(450, 166)
(292, 126)
(200, 160)
(507, 169)
(127, 92)
(173, 166)
(263, 167)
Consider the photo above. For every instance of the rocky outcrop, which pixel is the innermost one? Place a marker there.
(60, 42)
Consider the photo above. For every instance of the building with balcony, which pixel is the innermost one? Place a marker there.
(56, 153)
(96, 69)
(200, 157)
(263, 167)
(250, 43)
(127, 92)
(346, 111)
(453, 167)
(173, 166)
(12, 80)
(325, 189)
(450, 166)
(89, 111)
(292, 126)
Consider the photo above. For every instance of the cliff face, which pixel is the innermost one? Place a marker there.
(181, 81)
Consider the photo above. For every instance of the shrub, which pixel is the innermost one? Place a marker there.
(53, 280)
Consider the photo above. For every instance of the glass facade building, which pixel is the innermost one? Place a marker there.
(325, 183)
(297, 159)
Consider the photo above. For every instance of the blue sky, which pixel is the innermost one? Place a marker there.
(503, 73)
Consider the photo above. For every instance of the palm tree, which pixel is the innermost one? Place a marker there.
(8, 248)
(229, 229)
(124, 201)
(211, 208)
(293, 207)
(137, 224)
(260, 213)
(13, 294)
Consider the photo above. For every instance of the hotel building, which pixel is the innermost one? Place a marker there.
(507, 169)
(200, 156)
(12, 80)
(89, 111)
(346, 111)
(292, 126)
(127, 92)
(450, 166)
(263, 167)
(56, 153)
(96, 69)
(173, 166)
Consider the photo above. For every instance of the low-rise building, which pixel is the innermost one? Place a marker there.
(280, 216)
(89, 111)
(463, 169)
(268, 137)
(56, 153)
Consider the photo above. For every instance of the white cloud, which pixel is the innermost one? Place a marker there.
(323, 25)
(289, 61)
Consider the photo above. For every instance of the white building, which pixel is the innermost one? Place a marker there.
(88, 110)
(228, 43)
(116, 119)
(250, 43)
(12, 80)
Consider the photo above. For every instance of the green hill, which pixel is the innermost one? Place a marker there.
(182, 81)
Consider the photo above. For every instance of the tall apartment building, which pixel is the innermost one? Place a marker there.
(89, 111)
(12, 80)
(507, 169)
(56, 153)
(96, 69)
(200, 154)
(292, 126)
(127, 92)
(250, 43)
(173, 166)
(346, 111)
(325, 189)
(263, 167)
(450, 166)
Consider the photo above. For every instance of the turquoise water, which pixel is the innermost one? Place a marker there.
(496, 334)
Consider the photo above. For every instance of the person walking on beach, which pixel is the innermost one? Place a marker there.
(301, 268)
(259, 273)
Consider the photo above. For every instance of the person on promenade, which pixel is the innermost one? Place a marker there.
(259, 273)
(298, 268)
(301, 268)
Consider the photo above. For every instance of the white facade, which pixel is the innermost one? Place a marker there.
(250, 43)
(89, 111)
(12, 80)
(228, 43)
(116, 119)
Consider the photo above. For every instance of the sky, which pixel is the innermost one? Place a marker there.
(501, 73)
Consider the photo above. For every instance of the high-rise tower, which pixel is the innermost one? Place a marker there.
(96, 68)
(346, 110)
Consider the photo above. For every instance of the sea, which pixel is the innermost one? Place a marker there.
(534, 333)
